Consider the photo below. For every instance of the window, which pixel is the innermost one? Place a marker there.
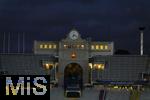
(97, 47)
(65, 46)
(54, 46)
(99, 66)
(82, 46)
(50, 46)
(76, 46)
(101, 47)
(92, 47)
(106, 47)
(47, 65)
(45, 46)
(41, 46)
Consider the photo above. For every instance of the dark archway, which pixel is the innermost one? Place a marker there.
(73, 75)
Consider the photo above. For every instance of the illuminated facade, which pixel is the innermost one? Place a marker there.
(74, 59)
(74, 49)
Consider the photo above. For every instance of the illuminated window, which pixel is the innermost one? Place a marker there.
(45, 46)
(54, 46)
(100, 66)
(82, 46)
(97, 47)
(92, 47)
(101, 47)
(106, 47)
(41, 46)
(91, 65)
(47, 65)
(65, 46)
(50, 46)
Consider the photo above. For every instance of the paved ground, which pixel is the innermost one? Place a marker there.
(117, 95)
(92, 94)
(145, 95)
(88, 94)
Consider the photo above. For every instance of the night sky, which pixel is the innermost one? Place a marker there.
(102, 20)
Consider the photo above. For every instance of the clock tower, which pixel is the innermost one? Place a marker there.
(74, 35)
(73, 58)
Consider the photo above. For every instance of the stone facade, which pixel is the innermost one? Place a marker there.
(95, 58)
(73, 44)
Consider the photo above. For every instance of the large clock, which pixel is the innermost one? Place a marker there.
(74, 35)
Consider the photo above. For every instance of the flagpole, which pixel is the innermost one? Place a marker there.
(4, 42)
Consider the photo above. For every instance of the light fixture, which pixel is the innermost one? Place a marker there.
(90, 65)
(73, 55)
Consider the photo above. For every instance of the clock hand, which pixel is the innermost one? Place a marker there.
(74, 35)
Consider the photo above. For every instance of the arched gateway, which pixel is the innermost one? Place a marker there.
(73, 75)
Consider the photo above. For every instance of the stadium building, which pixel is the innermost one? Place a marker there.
(77, 60)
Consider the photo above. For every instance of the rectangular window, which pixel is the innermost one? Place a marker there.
(41, 46)
(99, 66)
(50, 46)
(65, 46)
(92, 47)
(47, 64)
(45, 46)
(54, 46)
(82, 46)
(101, 47)
(97, 47)
(106, 47)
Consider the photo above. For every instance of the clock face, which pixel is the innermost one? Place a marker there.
(73, 35)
